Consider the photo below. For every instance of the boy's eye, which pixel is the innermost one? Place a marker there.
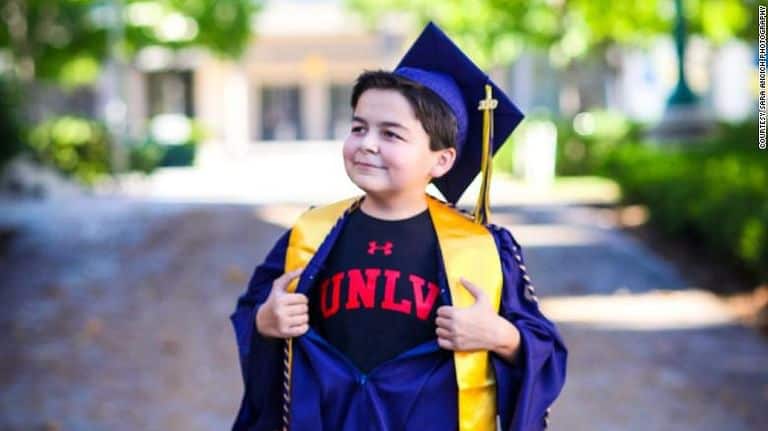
(389, 134)
(357, 129)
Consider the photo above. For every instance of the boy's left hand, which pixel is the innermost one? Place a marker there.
(477, 327)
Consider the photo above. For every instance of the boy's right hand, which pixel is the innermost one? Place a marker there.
(283, 314)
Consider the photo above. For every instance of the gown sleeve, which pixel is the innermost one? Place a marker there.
(260, 357)
(527, 387)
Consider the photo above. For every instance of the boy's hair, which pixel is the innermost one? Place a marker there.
(435, 115)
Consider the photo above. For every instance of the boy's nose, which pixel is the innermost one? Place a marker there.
(369, 144)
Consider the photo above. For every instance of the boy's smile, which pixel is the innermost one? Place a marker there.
(368, 165)
(387, 153)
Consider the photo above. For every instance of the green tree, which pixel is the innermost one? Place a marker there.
(66, 41)
(495, 31)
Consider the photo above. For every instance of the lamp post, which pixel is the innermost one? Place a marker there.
(682, 95)
(684, 119)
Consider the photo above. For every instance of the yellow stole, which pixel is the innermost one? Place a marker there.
(468, 250)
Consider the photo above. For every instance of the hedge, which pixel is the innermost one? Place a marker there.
(714, 191)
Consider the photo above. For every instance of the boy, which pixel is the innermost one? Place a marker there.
(393, 310)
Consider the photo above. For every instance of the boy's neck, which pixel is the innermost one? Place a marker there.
(399, 208)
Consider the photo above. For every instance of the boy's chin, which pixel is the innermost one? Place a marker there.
(365, 184)
(379, 192)
(369, 188)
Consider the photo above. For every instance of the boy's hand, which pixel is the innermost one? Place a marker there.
(283, 314)
(477, 327)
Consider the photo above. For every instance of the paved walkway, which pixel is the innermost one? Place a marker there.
(117, 313)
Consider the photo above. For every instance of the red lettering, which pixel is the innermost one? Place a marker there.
(327, 310)
(423, 306)
(362, 290)
(404, 306)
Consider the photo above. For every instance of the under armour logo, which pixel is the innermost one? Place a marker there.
(386, 248)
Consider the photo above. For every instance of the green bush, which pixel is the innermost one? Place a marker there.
(179, 137)
(145, 155)
(81, 148)
(148, 154)
(714, 191)
(583, 142)
(586, 140)
(77, 147)
(10, 124)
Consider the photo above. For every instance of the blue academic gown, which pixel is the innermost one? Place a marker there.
(329, 393)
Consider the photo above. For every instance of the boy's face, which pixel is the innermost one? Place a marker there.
(387, 151)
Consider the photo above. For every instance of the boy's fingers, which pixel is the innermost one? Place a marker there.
(295, 298)
(295, 273)
(297, 309)
(445, 311)
(445, 344)
(443, 322)
(298, 330)
(473, 289)
(285, 279)
(298, 320)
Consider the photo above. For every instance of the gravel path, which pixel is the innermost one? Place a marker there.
(117, 315)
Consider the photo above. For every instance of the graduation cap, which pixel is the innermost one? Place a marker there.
(484, 114)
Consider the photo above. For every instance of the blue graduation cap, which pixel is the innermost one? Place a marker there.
(485, 115)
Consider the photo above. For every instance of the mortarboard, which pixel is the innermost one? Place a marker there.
(437, 63)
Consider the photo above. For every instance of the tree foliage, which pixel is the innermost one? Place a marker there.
(67, 40)
(495, 31)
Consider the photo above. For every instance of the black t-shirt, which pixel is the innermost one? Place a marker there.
(377, 294)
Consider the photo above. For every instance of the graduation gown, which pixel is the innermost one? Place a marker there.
(329, 393)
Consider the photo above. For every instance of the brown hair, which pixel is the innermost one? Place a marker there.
(435, 115)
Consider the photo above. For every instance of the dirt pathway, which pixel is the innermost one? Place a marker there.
(117, 316)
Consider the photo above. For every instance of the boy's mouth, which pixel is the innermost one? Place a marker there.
(368, 165)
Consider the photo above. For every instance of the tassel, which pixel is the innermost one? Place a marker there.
(287, 362)
(482, 210)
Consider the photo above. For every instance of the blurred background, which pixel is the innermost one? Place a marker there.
(151, 152)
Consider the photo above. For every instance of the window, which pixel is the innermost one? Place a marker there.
(280, 113)
(170, 92)
(340, 118)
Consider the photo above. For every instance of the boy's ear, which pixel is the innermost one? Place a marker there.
(444, 162)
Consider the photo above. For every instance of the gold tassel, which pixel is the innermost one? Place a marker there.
(287, 367)
(483, 206)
